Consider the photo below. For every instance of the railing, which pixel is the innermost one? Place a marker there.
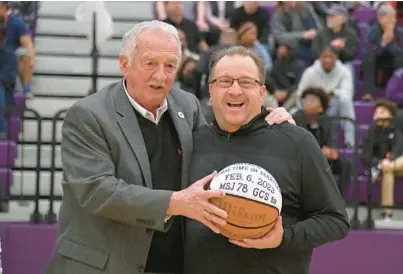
(50, 216)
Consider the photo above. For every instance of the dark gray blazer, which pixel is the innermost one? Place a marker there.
(109, 212)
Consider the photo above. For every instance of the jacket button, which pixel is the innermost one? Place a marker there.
(149, 231)
(140, 268)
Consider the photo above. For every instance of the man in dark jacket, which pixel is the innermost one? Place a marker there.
(383, 50)
(313, 212)
(284, 77)
(313, 118)
(383, 150)
(337, 34)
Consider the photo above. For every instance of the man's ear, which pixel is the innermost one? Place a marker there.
(123, 64)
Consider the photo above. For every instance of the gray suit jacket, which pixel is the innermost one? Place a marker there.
(109, 212)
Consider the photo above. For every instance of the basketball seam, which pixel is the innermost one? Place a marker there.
(256, 227)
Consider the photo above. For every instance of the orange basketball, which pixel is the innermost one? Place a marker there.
(253, 200)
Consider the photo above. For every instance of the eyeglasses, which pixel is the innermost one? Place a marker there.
(243, 82)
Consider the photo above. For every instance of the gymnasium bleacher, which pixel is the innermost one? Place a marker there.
(62, 75)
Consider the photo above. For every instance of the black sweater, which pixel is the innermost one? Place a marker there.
(313, 211)
(379, 142)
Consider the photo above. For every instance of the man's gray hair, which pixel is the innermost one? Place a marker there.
(384, 10)
(238, 51)
(130, 38)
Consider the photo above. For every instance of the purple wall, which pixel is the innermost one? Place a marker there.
(27, 249)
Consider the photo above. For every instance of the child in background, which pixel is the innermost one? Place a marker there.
(382, 152)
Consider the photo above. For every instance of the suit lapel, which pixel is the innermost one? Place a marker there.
(185, 137)
(131, 129)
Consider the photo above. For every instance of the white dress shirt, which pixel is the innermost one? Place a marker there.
(145, 113)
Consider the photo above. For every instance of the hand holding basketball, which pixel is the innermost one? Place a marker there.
(193, 202)
(272, 239)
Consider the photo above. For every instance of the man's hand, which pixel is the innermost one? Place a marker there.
(193, 202)
(279, 116)
(387, 165)
(309, 34)
(388, 36)
(272, 239)
(338, 43)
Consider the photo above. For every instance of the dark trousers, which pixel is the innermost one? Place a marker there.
(343, 168)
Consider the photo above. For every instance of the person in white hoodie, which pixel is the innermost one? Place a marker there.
(330, 74)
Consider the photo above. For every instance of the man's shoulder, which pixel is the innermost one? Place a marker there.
(292, 133)
(98, 101)
(184, 99)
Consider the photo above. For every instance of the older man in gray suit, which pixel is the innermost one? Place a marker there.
(125, 154)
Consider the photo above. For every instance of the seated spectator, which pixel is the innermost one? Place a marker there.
(26, 10)
(321, 8)
(184, 45)
(313, 118)
(382, 152)
(186, 75)
(188, 10)
(228, 38)
(295, 23)
(175, 17)
(250, 11)
(8, 75)
(337, 34)
(329, 74)
(247, 37)
(213, 18)
(19, 41)
(282, 81)
(383, 48)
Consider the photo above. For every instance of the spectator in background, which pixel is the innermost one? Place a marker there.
(337, 34)
(251, 12)
(247, 37)
(382, 152)
(8, 75)
(295, 23)
(213, 18)
(18, 40)
(313, 118)
(228, 38)
(175, 17)
(186, 75)
(383, 49)
(321, 9)
(188, 10)
(282, 82)
(184, 45)
(329, 74)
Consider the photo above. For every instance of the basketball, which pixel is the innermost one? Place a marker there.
(253, 200)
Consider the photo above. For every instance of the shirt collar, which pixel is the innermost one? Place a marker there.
(145, 113)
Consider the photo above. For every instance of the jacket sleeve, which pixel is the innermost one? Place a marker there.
(318, 44)
(282, 35)
(89, 175)
(326, 217)
(397, 149)
(350, 49)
